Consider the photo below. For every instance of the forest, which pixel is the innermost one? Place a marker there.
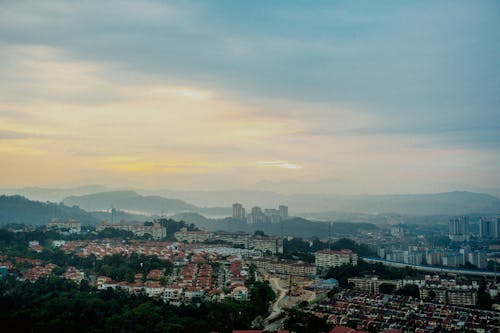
(58, 305)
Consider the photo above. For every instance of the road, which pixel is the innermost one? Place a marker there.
(272, 322)
(282, 293)
(431, 268)
(276, 310)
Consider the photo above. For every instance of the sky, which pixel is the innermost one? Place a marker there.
(343, 97)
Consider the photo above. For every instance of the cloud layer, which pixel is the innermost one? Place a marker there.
(382, 97)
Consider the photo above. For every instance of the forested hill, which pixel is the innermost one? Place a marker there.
(18, 209)
(297, 227)
(130, 201)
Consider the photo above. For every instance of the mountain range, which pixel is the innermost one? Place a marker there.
(18, 209)
(448, 203)
(128, 201)
(218, 203)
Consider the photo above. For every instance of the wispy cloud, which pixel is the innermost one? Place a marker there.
(367, 92)
(279, 164)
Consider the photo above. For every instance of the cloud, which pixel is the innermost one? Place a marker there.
(366, 92)
(16, 135)
(279, 164)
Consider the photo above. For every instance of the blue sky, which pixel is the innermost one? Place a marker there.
(387, 80)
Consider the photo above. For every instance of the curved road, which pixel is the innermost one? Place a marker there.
(271, 324)
(276, 306)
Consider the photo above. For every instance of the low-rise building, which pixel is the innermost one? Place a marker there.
(266, 243)
(462, 296)
(332, 258)
(192, 236)
(156, 230)
(372, 284)
(70, 226)
(240, 293)
(237, 238)
(293, 267)
(173, 294)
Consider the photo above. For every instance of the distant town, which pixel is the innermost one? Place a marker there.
(382, 279)
(257, 215)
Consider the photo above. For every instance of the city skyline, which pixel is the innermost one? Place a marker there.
(348, 97)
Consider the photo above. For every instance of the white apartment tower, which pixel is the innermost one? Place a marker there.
(238, 211)
(459, 229)
(283, 211)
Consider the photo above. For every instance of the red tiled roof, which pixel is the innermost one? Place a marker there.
(343, 329)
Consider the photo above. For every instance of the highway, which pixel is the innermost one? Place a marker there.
(431, 269)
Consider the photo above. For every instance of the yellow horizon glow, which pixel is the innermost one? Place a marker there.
(69, 121)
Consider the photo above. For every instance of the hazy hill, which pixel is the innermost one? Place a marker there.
(225, 198)
(18, 209)
(218, 203)
(451, 203)
(447, 203)
(200, 220)
(120, 215)
(52, 194)
(128, 201)
(297, 226)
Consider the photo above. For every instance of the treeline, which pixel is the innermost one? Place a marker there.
(57, 305)
(123, 268)
(119, 267)
(19, 239)
(299, 227)
(17, 242)
(174, 226)
(304, 322)
(297, 248)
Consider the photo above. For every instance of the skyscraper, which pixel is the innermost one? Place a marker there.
(283, 211)
(459, 229)
(238, 211)
(256, 216)
(489, 227)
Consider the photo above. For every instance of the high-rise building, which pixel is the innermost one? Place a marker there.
(478, 259)
(238, 211)
(283, 211)
(256, 216)
(272, 215)
(459, 229)
(489, 227)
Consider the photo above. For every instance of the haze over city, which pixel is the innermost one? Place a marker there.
(344, 97)
(250, 166)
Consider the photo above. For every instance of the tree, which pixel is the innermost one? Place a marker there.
(302, 322)
(410, 290)
(432, 295)
(469, 265)
(386, 288)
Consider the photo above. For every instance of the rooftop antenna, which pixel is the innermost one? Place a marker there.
(495, 270)
(329, 235)
(282, 224)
